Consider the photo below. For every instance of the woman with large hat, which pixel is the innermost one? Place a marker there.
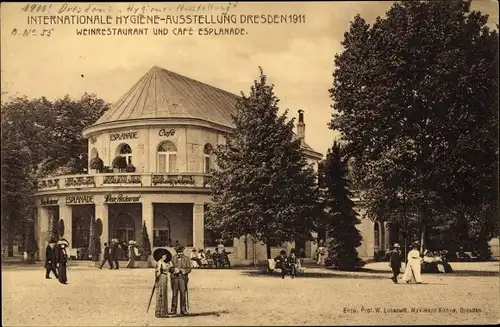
(62, 260)
(163, 258)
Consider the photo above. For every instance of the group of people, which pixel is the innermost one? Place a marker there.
(111, 254)
(173, 271)
(206, 259)
(289, 265)
(56, 260)
(412, 272)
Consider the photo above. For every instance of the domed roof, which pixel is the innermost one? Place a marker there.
(162, 93)
(165, 94)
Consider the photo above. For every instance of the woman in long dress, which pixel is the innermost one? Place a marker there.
(163, 258)
(131, 255)
(62, 261)
(320, 252)
(413, 268)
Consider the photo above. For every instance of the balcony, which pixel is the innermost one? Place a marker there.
(152, 180)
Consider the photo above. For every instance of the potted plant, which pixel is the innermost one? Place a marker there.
(119, 163)
(96, 164)
(130, 168)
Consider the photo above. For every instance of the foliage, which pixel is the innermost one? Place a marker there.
(263, 187)
(40, 138)
(340, 214)
(96, 163)
(145, 246)
(416, 98)
(130, 169)
(119, 162)
(54, 228)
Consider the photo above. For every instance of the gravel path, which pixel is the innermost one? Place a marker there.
(243, 297)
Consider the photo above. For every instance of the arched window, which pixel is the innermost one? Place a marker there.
(167, 157)
(207, 155)
(124, 150)
(123, 227)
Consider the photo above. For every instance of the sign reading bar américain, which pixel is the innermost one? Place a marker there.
(49, 202)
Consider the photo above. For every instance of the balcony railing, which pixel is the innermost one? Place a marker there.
(183, 180)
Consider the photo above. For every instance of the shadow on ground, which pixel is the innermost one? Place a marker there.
(328, 274)
(203, 314)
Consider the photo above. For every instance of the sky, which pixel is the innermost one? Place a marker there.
(297, 58)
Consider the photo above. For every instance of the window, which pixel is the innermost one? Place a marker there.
(167, 158)
(126, 151)
(207, 153)
(161, 237)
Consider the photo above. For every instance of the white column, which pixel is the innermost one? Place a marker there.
(148, 217)
(43, 230)
(101, 212)
(66, 214)
(198, 226)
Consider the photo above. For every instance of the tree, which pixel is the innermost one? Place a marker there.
(145, 246)
(263, 186)
(342, 218)
(31, 243)
(40, 138)
(415, 98)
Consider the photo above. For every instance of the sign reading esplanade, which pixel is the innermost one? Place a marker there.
(80, 199)
(121, 198)
(123, 136)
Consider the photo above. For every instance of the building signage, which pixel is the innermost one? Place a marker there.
(121, 198)
(81, 199)
(123, 136)
(49, 202)
(166, 132)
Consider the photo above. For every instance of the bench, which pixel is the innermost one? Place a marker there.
(269, 265)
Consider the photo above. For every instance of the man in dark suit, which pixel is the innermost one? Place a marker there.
(114, 254)
(282, 263)
(50, 260)
(181, 267)
(107, 256)
(395, 259)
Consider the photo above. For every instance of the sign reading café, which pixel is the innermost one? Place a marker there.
(121, 198)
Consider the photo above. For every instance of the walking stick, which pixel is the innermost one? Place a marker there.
(151, 297)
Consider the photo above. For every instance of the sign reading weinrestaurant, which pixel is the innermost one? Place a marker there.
(121, 198)
(80, 199)
(49, 202)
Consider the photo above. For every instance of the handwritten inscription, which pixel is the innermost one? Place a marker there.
(164, 132)
(123, 136)
(84, 199)
(120, 198)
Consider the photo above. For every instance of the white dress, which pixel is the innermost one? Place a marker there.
(413, 268)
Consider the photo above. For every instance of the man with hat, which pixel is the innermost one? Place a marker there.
(50, 259)
(180, 269)
(395, 262)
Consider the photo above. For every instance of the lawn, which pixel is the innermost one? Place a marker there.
(105, 297)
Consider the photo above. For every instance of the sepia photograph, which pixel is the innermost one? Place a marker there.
(250, 163)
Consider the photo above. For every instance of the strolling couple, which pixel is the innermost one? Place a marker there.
(413, 268)
(110, 255)
(173, 271)
(56, 260)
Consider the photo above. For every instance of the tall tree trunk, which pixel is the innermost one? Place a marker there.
(268, 250)
(10, 242)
